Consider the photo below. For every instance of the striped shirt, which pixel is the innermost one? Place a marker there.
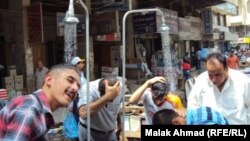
(26, 118)
(205, 116)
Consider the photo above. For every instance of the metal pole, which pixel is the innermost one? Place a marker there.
(87, 65)
(124, 56)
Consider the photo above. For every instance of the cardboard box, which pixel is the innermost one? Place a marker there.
(19, 93)
(132, 123)
(9, 83)
(11, 94)
(13, 72)
(133, 73)
(19, 82)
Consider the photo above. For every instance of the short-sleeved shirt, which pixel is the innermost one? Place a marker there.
(105, 119)
(233, 101)
(204, 116)
(26, 119)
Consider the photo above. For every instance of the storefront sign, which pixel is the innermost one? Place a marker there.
(102, 24)
(145, 23)
(113, 5)
(80, 27)
(151, 22)
(171, 18)
(245, 40)
(207, 21)
(184, 29)
(184, 25)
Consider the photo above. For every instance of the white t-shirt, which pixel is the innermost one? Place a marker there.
(233, 102)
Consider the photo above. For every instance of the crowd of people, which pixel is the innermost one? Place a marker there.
(219, 96)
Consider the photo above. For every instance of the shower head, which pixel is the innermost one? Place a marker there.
(70, 14)
(72, 20)
(163, 27)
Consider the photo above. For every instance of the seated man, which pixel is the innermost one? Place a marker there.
(200, 116)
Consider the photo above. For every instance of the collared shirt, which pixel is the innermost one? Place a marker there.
(204, 116)
(26, 119)
(233, 101)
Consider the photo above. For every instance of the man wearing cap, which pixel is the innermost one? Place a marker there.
(155, 95)
(80, 65)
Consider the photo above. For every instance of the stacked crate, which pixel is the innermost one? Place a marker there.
(13, 83)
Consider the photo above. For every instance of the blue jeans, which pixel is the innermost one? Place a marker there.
(186, 74)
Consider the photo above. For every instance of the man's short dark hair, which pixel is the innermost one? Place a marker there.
(159, 88)
(220, 57)
(111, 82)
(164, 117)
(58, 68)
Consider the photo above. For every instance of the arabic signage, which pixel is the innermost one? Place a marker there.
(151, 22)
(207, 22)
(145, 23)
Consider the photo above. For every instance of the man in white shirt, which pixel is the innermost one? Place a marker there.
(40, 73)
(223, 89)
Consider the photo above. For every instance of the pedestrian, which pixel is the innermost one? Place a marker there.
(155, 96)
(223, 89)
(198, 58)
(105, 100)
(70, 124)
(186, 56)
(29, 117)
(80, 66)
(199, 116)
(232, 60)
(186, 68)
(40, 73)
